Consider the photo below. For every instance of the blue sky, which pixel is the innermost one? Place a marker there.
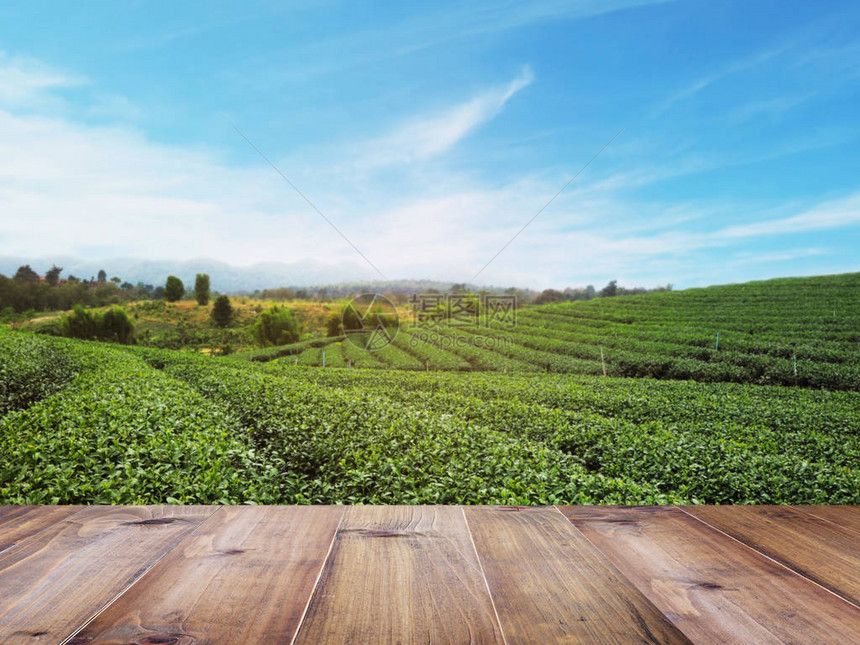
(430, 133)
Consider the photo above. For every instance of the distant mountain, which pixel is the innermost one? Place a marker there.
(224, 277)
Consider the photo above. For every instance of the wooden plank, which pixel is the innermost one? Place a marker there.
(822, 551)
(550, 585)
(845, 516)
(401, 575)
(17, 523)
(244, 576)
(53, 583)
(712, 587)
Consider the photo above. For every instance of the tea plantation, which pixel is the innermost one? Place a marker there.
(797, 331)
(534, 422)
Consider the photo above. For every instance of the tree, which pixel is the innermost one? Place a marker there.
(333, 325)
(102, 275)
(222, 311)
(276, 326)
(548, 296)
(201, 289)
(173, 289)
(115, 326)
(52, 277)
(26, 274)
(610, 289)
(79, 324)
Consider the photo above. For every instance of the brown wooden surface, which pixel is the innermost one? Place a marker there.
(56, 581)
(206, 575)
(712, 587)
(550, 585)
(818, 549)
(401, 575)
(17, 523)
(845, 516)
(244, 576)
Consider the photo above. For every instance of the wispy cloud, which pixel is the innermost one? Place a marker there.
(28, 82)
(442, 24)
(778, 256)
(734, 67)
(767, 108)
(833, 214)
(431, 135)
(67, 186)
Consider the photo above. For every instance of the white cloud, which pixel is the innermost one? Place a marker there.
(431, 135)
(24, 81)
(68, 188)
(778, 256)
(837, 213)
(732, 68)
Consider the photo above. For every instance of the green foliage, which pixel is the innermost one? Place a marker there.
(124, 433)
(52, 275)
(31, 368)
(276, 326)
(89, 423)
(113, 325)
(201, 289)
(333, 326)
(610, 289)
(173, 289)
(104, 424)
(79, 324)
(222, 311)
(26, 274)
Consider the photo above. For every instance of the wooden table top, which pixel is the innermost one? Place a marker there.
(194, 575)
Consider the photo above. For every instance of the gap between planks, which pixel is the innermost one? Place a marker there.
(769, 557)
(317, 580)
(149, 568)
(484, 576)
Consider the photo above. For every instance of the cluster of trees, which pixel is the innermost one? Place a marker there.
(399, 291)
(174, 289)
(28, 291)
(276, 326)
(611, 290)
(112, 325)
(348, 319)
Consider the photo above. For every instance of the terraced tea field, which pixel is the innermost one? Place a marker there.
(798, 331)
(85, 422)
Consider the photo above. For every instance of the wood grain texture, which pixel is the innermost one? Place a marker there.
(401, 575)
(712, 587)
(53, 583)
(822, 551)
(243, 576)
(845, 516)
(550, 585)
(17, 523)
